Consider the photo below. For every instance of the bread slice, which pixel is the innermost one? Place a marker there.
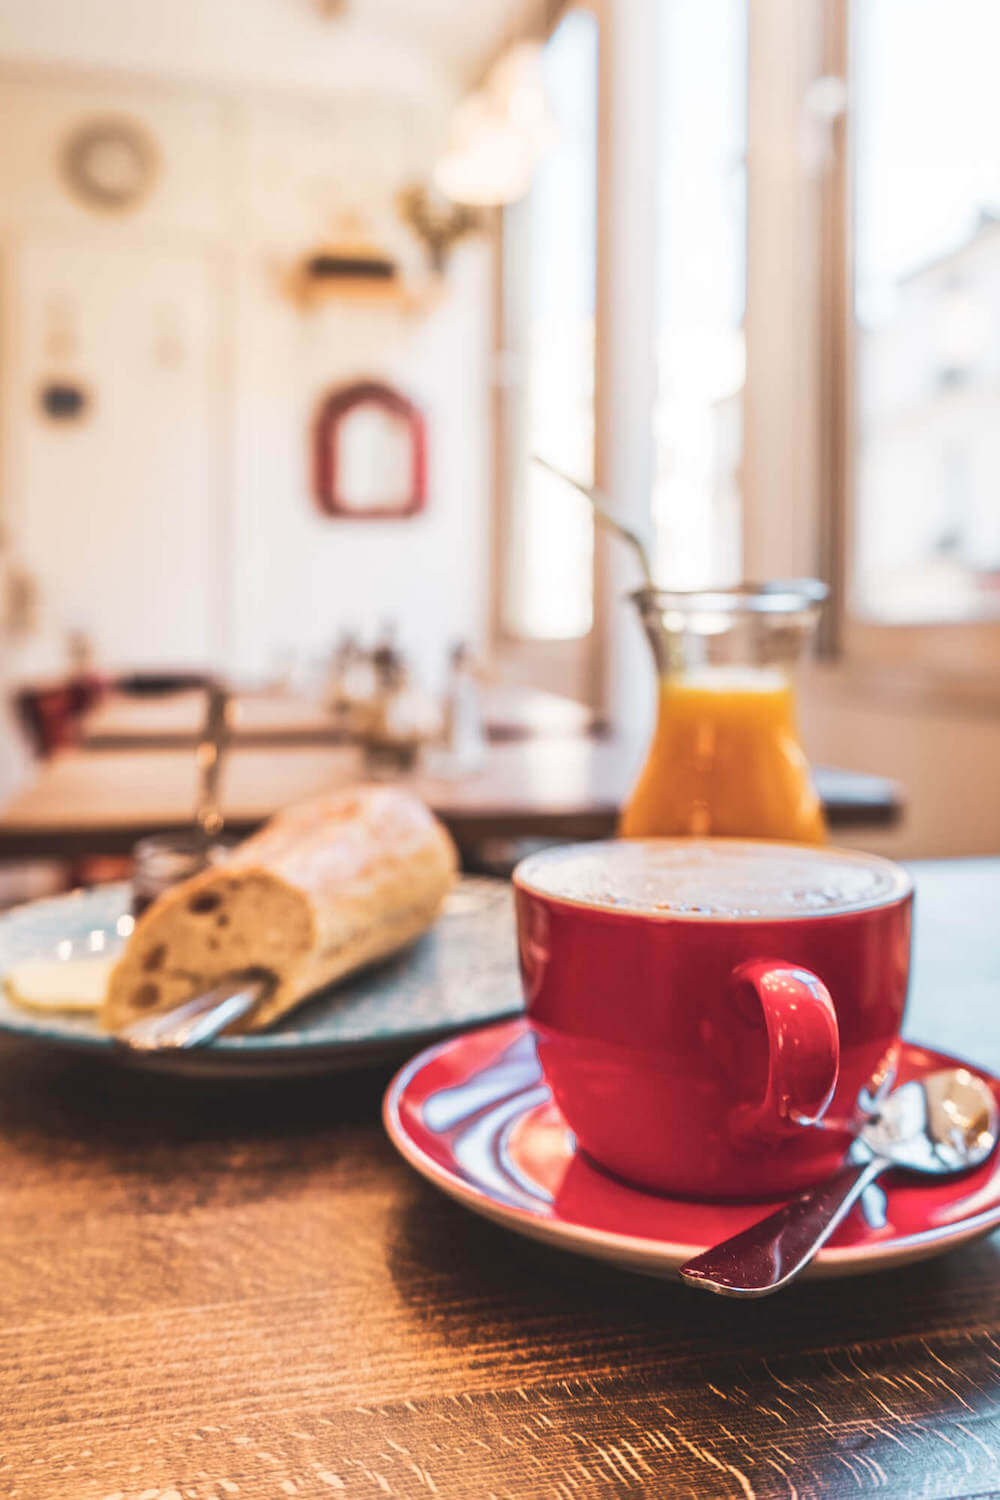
(326, 887)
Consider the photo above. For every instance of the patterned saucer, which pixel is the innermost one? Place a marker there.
(475, 1117)
(461, 973)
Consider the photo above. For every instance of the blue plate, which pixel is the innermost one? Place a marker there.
(462, 973)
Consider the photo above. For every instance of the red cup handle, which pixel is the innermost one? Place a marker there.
(803, 1047)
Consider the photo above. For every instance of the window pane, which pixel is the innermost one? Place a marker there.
(549, 590)
(927, 305)
(698, 422)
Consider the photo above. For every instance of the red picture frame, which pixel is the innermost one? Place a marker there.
(328, 452)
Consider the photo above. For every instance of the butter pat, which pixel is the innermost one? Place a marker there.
(78, 984)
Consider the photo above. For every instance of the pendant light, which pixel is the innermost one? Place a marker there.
(499, 133)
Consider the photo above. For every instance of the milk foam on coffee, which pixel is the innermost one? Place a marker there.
(716, 878)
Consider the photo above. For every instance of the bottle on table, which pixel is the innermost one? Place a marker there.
(391, 738)
(343, 660)
(463, 732)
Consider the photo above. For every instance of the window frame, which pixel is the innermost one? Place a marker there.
(946, 662)
(798, 476)
(569, 666)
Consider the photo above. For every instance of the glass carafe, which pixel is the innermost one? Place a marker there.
(726, 759)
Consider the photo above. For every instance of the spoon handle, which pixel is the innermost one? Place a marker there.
(771, 1253)
(198, 1021)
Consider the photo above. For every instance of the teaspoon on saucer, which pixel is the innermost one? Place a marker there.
(936, 1126)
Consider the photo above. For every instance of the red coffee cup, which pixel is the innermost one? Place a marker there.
(712, 1048)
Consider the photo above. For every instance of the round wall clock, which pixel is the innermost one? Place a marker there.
(111, 163)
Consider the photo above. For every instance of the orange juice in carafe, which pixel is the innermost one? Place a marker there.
(726, 759)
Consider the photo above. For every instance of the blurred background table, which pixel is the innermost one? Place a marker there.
(89, 802)
(212, 1292)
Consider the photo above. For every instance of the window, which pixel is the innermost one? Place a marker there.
(826, 182)
(550, 277)
(926, 131)
(549, 286)
(701, 260)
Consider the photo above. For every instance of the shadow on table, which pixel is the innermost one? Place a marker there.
(63, 1088)
(443, 1258)
(233, 1141)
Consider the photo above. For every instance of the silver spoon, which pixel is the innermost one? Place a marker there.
(199, 1020)
(936, 1126)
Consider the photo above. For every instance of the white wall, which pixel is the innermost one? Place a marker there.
(115, 514)
(273, 43)
(300, 576)
(206, 544)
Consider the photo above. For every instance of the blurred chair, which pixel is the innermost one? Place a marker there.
(49, 716)
(51, 712)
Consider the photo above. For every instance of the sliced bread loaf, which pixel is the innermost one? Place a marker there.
(324, 888)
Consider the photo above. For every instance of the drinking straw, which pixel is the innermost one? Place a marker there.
(604, 511)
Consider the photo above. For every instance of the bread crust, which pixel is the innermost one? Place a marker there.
(324, 888)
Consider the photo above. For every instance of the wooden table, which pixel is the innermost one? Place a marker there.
(243, 1294)
(88, 803)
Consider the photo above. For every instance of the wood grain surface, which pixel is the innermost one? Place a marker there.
(214, 1292)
